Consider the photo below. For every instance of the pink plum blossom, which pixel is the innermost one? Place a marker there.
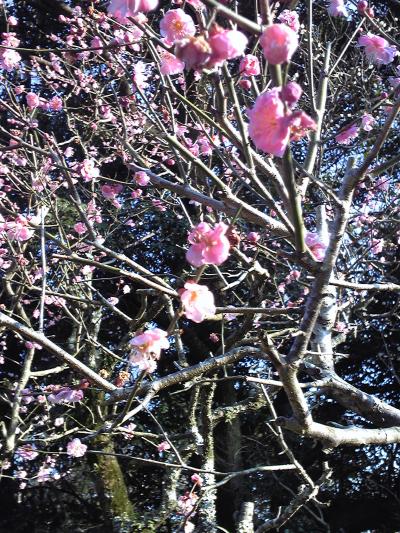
(55, 103)
(300, 123)
(146, 348)
(128, 431)
(377, 246)
(27, 452)
(226, 44)
(294, 275)
(290, 18)
(394, 82)
(187, 502)
(197, 301)
(213, 337)
(195, 52)
(137, 193)
(337, 8)
(245, 84)
(209, 246)
(291, 93)
(88, 170)
(76, 448)
(18, 230)
(80, 228)
(367, 122)
(27, 397)
(66, 395)
(197, 480)
(249, 65)
(93, 212)
(197, 4)
(177, 25)
(279, 43)
(111, 191)
(364, 9)
(267, 129)
(33, 345)
(96, 42)
(141, 178)
(317, 245)
(253, 237)
(122, 9)
(170, 64)
(377, 49)
(9, 58)
(346, 136)
(44, 474)
(32, 100)
(163, 446)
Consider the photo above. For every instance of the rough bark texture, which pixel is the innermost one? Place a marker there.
(111, 488)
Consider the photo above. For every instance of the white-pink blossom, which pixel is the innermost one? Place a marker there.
(163, 446)
(76, 448)
(88, 170)
(141, 178)
(197, 301)
(367, 122)
(146, 348)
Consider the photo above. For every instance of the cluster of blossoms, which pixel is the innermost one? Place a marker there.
(272, 121)
(33, 101)
(377, 49)
(146, 348)
(291, 19)
(350, 133)
(9, 58)
(178, 29)
(337, 8)
(65, 395)
(27, 452)
(122, 9)
(198, 53)
(18, 229)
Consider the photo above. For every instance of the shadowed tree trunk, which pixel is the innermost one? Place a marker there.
(111, 488)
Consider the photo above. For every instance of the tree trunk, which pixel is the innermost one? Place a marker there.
(111, 487)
